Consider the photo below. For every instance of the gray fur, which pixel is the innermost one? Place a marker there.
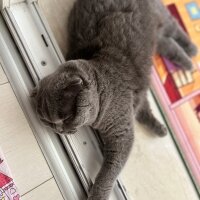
(110, 52)
(172, 41)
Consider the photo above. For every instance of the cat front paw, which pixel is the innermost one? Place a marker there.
(161, 130)
(98, 197)
(176, 45)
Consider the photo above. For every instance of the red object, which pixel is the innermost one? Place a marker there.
(171, 89)
(16, 197)
(4, 180)
(174, 11)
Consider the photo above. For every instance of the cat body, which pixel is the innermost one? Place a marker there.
(119, 43)
(104, 82)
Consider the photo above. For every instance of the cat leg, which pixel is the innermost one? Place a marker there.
(173, 42)
(116, 151)
(170, 49)
(184, 41)
(146, 117)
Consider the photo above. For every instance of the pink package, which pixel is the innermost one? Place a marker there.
(8, 189)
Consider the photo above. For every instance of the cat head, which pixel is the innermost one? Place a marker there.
(65, 100)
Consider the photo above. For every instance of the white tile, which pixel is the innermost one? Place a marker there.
(155, 169)
(46, 191)
(57, 12)
(21, 150)
(3, 78)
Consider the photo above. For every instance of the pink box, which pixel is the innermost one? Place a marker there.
(8, 189)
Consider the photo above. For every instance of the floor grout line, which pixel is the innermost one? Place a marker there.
(37, 186)
(4, 83)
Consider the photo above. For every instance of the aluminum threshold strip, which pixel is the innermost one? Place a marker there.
(37, 45)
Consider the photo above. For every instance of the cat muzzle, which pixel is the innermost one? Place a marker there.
(61, 130)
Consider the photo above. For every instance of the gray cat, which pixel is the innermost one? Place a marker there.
(104, 83)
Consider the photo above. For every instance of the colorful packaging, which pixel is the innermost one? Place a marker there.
(178, 91)
(8, 189)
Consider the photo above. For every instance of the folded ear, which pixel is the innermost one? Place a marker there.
(76, 82)
(33, 93)
(74, 87)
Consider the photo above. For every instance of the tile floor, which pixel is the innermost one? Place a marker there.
(29, 168)
(154, 170)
